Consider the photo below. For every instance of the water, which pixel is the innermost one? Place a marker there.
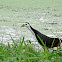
(46, 20)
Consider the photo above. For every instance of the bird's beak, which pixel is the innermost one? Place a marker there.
(22, 25)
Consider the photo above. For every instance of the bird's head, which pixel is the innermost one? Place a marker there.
(26, 24)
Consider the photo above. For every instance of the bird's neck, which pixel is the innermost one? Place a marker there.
(31, 29)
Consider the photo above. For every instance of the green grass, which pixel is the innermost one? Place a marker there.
(22, 52)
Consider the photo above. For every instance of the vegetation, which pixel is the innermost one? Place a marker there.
(22, 52)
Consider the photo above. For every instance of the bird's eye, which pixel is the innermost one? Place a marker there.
(25, 24)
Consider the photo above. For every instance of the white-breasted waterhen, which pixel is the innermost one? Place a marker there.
(48, 41)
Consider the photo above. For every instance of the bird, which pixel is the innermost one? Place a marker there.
(49, 42)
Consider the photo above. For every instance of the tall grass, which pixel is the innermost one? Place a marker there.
(22, 52)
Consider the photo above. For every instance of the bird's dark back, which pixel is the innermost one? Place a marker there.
(47, 40)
